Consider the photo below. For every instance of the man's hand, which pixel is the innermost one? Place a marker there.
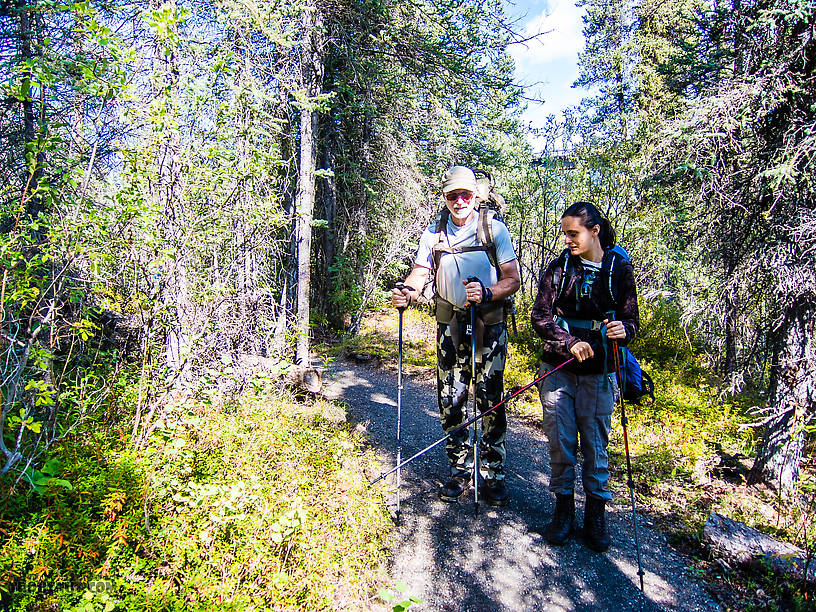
(582, 351)
(400, 298)
(615, 330)
(473, 291)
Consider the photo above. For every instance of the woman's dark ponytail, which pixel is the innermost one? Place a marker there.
(590, 217)
(607, 234)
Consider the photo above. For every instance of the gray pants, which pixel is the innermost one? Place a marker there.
(574, 405)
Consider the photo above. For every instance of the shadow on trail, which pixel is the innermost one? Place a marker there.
(454, 559)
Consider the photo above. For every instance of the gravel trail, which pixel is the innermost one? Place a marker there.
(456, 560)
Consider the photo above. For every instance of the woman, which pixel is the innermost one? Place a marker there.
(586, 298)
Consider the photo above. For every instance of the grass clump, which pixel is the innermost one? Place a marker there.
(379, 336)
(256, 505)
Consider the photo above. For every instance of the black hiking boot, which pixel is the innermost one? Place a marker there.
(595, 534)
(560, 528)
(495, 492)
(452, 490)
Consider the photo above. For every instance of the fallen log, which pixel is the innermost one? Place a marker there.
(745, 546)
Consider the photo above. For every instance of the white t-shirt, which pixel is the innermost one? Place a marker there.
(456, 267)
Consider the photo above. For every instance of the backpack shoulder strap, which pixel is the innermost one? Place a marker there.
(561, 272)
(484, 235)
(442, 221)
(607, 271)
(612, 263)
(441, 232)
(484, 232)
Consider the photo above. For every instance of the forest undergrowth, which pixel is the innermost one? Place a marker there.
(257, 503)
(691, 450)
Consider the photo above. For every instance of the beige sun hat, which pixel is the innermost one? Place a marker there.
(458, 177)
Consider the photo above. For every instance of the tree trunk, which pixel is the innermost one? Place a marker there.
(312, 79)
(29, 38)
(731, 331)
(175, 295)
(329, 191)
(738, 37)
(246, 262)
(791, 402)
(365, 162)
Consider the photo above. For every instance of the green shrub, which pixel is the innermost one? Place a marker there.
(260, 506)
(662, 338)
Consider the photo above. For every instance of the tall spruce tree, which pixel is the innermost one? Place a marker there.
(743, 155)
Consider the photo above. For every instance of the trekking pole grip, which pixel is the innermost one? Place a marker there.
(401, 287)
(475, 279)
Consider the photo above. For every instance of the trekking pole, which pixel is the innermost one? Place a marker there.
(629, 482)
(400, 286)
(510, 395)
(477, 439)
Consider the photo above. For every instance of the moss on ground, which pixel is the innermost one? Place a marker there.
(257, 504)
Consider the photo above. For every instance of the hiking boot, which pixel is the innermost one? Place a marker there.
(495, 492)
(452, 490)
(595, 532)
(559, 529)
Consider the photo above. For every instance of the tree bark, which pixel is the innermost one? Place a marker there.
(329, 192)
(312, 79)
(365, 165)
(792, 400)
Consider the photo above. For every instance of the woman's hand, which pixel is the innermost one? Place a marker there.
(582, 351)
(615, 330)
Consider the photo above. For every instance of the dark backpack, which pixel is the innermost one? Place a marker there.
(635, 382)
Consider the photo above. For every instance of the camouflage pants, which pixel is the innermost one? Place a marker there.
(453, 380)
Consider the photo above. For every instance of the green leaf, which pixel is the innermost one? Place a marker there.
(386, 595)
(38, 478)
(60, 482)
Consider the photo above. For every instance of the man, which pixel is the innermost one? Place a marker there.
(460, 245)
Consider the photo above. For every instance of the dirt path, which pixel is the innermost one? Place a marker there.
(498, 560)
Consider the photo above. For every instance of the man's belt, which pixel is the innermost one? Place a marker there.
(491, 313)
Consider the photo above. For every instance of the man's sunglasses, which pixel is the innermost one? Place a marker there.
(454, 196)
